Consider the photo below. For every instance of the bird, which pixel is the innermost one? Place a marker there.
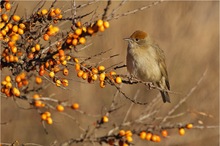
(146, 61)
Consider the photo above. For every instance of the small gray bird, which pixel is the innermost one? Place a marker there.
(146, 61)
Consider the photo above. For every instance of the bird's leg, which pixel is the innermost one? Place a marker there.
(151, 85)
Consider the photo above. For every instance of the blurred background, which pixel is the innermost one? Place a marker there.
(188, 32)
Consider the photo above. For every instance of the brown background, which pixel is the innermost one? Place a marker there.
(188, 32)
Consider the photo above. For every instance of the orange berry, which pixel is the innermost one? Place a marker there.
(43, 116)
(49, 120)
(143, 135)
(101, 68)
(76, 60)
(5, 17)
(38, 103)
(11, 58)
(65, 82)
(58, 83)
(14, 49)
(65, 71)
(77, 67)
(23, 75)
(128, 133)
(118, 80)
(90, 30)
(3, 83)
(74, 42)
(94, 77)
(106, 24)
(78, 31)
(15, 37)
(164, 133)
(25, 82)
(82, 40)
(85, 75)
(51, 74)
(181, 131)
(36, 96)
(8, 85)
(78, 24)
(22, 26)
(102, 28)
(99, 23)
(148, 136)
(60, 108)
(17, 78)
(129, 138)
(57, 11)
(46, 37)
(16, 18)
(95, 70)
(121, 133)
(104, 119)
(15, 28)
(102, 77)
(102, 84)
(8, 79)
(80, 73)
(16, 92)
(189, 126)
(38, 80)
(75, 106)
(41, 72)
(48, 114)
(11, 44)
(37, 47)
(112, 73)
(44, 11)
(20, 31)
(7, 6)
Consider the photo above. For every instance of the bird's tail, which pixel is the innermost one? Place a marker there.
(165, 96)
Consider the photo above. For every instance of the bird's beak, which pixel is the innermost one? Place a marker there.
(127, 39)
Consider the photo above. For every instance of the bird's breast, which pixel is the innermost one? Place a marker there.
(143, 64)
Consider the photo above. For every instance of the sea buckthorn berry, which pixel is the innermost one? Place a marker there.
(82, 40)
(49, 120)
(20, 31)
(104, 119)
(43, 116)
(102, 28)
(65, 71)
(112, 73)
(129, 138)
(128, 133)
(118, 80)
(74, 42)
(99, 23)
(15, 28)
(64, 62)
(106, 24)
(80, 73)
(102, 77)
(78, 31)
(143, 135)
(58, 83)
(77, 67)
(121, 133)
(8, 85)
(148, 136)
(41, 72)
(16, 18)
(189, 126)
(8, 79)
(3, 83)
(5, 17)
(95, 70)
(101, 68)
(102, 84)
(57, 11)
(48, 114)
(65, 82)
(37, 47)
(25, 82)
(44, 11)
(94, 77)
(16, 92)
(46, 37)
(164, 133)
(75, 106)
(17, 78)
(38, 80)
(60, 108)
(36, 96)
(51, 74)
(78, 24)
(15, 37)
(90, 30)
(181, 131)
(76, 60)
(7, 6)
(154, 138)
(14, 49)
(37, 103)
(85, 75)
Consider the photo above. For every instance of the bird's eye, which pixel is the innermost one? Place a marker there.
(136, 39)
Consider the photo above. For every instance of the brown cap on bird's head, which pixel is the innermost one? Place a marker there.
(139, 35)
